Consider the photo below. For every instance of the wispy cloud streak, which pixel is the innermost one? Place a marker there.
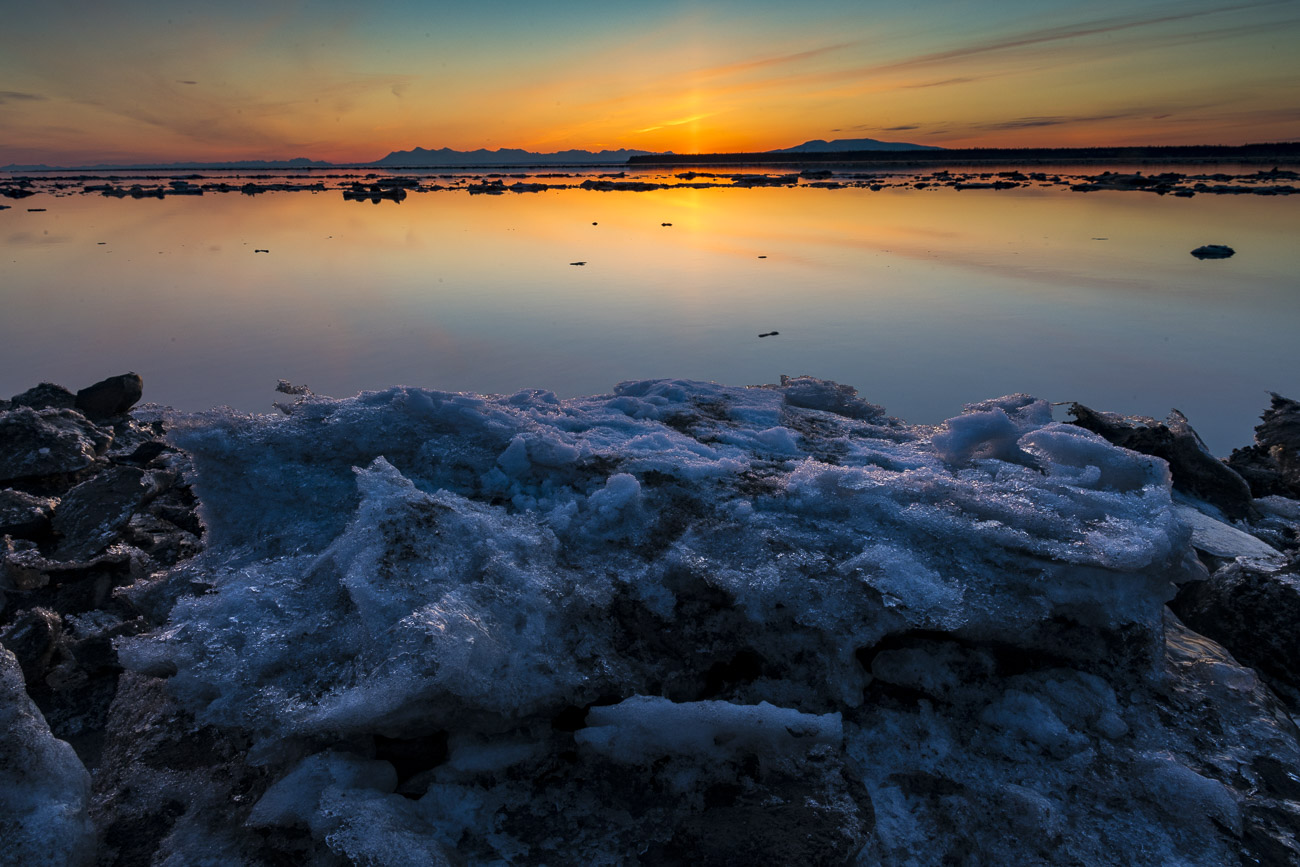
(1058, 34)
(19, 96)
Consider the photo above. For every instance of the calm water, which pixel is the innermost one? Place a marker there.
(922, 299)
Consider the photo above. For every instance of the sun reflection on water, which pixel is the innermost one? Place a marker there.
(923, 299)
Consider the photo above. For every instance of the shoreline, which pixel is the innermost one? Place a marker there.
(1287, 153)
(392, 184)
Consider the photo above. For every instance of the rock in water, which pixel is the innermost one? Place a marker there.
(44, 789)
(1213, 251)
(110, 397)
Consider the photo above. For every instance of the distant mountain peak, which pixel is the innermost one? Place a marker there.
(848, 145)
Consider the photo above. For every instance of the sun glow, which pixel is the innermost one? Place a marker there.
(137, 85)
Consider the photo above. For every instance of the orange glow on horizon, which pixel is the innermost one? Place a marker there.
(212, 86)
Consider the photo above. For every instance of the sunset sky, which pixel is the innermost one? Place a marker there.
(134, 81)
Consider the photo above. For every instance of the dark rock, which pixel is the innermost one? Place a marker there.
(178, 506)
(1252, 612)
(1200, 674)
(110, 397)
(33, 637)
(21, 568)
(782, 820)
(34, 581)
(142, 454)
(608, 186)
(24, 515)
(95, 653)
(1213, 251)
(284, 386)
(1195, 471)
(47, 442)
(136, 442)
(157, 765)
(47, 395)
(95, 512)
(1260, 470)
(1272, 464)
(162, 540)
(1280, 430)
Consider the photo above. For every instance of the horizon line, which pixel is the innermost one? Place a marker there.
(924, 152)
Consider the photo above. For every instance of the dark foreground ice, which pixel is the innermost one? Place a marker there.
(680, 623)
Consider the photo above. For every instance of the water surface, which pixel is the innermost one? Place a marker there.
(922, 299)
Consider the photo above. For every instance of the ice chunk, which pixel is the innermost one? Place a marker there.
(811, 393)
(1224, 540)
(44, 789)
(416, 565)
(989, 434)
(296, 798)
(433, 583)
(778, 439)
(642, 728)
(344, 801)
(1025, 411)
(1185, 794)
(1083, 458)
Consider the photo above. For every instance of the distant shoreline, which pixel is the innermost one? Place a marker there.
(396, 184)
(1273, 153)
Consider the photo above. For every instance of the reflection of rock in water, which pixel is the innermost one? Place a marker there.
(681, 623)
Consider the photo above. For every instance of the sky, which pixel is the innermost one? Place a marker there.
(143, 81)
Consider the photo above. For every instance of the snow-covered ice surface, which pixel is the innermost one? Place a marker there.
(687, 622)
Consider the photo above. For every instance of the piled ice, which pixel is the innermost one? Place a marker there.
(685, 619)
(44, 790)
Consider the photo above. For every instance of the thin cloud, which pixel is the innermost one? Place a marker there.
(185, 81)
(944, 83)
(1035, 122)
(678, 122)
(1039, 121)
(882, 76)
(19, 96)
(767, 62)
(871, 127)
(1058, 34)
